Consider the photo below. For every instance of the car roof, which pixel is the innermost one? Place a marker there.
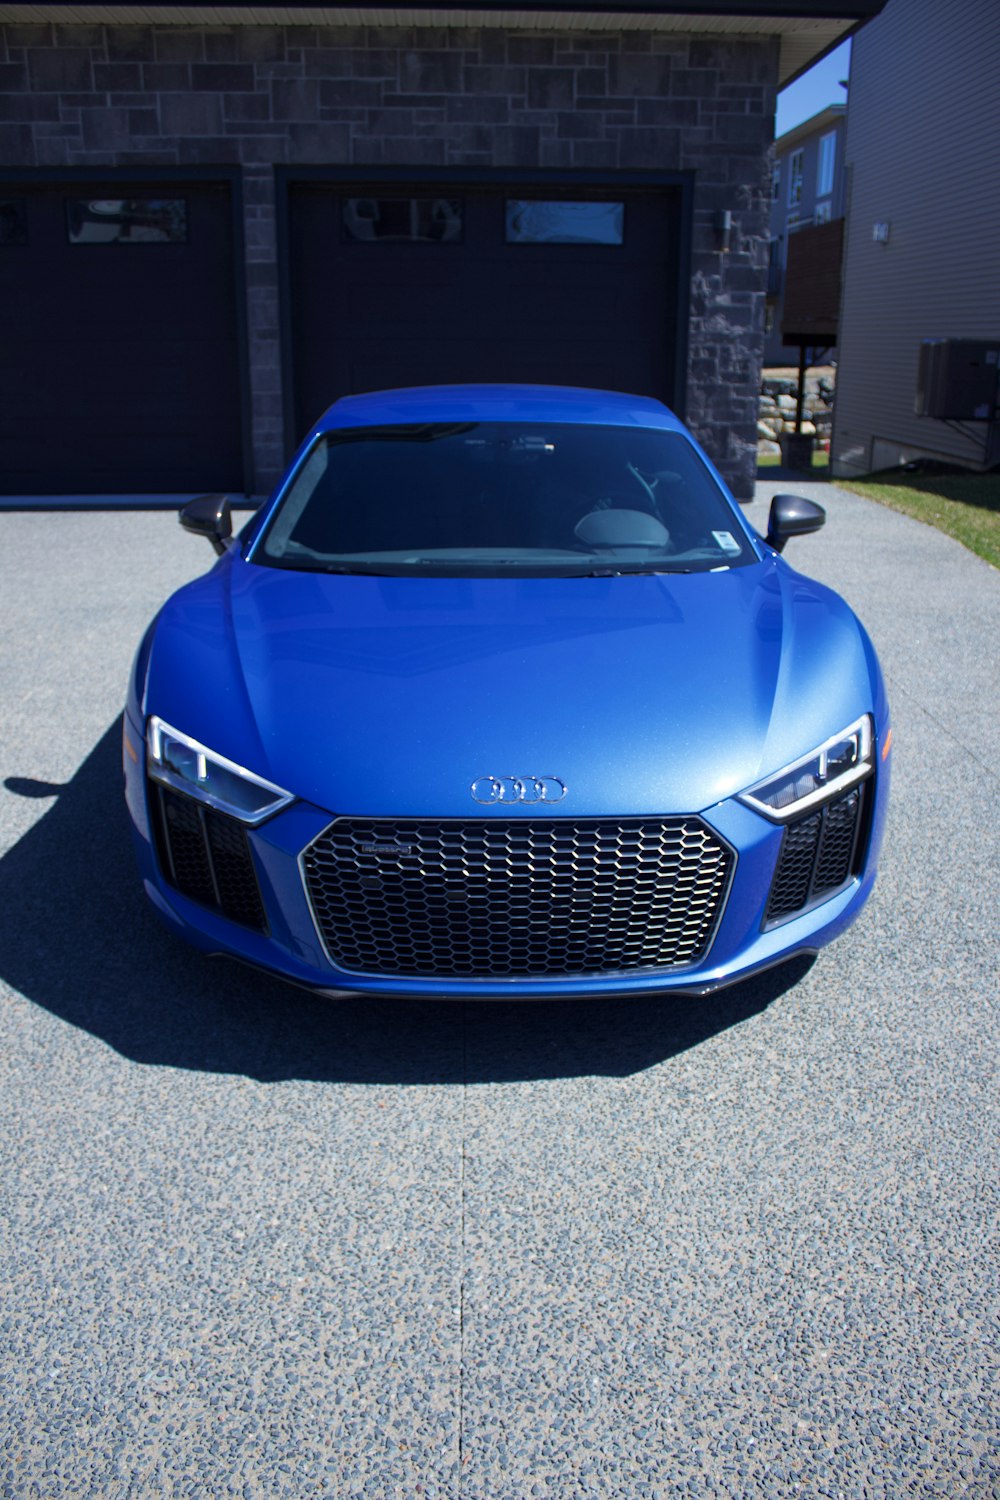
(497, 403)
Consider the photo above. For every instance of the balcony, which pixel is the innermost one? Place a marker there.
(812, 284)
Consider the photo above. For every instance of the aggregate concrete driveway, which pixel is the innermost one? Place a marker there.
(258, 1244)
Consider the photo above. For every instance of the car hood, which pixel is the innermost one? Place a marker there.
(391, 696)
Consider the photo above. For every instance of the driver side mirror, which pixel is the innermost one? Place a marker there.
(211, 516)
(792, 515)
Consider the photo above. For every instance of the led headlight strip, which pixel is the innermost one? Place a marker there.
(190, 767)
(833, 767)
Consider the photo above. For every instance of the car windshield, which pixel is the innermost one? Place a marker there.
(503, 499)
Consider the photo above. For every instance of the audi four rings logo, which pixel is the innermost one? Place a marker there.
(492, 789)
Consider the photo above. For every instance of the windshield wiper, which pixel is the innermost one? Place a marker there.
(636, 570)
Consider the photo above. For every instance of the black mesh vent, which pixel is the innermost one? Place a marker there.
(501, 899)
(817, 856)
(206, 855)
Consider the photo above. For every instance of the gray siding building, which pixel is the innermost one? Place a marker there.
(923, 154)
(807, 190)
(214, 221)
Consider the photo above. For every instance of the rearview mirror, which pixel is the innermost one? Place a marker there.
(792, 515)
(211, 516)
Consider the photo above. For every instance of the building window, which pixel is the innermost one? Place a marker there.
(827, 162)
(531, 221)
(824, 212)
(403, 220)
(776, 182)
(126, 221)
(795, 178)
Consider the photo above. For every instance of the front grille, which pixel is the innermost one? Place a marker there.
(818, 855)
(206, 855)
(516, 899)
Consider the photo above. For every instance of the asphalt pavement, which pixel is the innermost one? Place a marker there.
(259, 1244)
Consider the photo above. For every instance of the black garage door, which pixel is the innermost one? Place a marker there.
(393, 287)
(119, 364)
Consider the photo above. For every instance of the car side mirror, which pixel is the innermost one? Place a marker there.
(792, 515)
(211, 516)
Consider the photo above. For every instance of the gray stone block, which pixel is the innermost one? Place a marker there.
(208, 152)
(129, 44)
(220, 46)
(105, 129)
(25, 108)
(17, 146)
(220, 77)
(29, 34)
(191, 114)
(635, 74)
(240, 108)
(551, 88)
(143, 122)
(478, 110)
(179, 44)
(57, 71)
(263, 43)
(534, 51)
(516, 145)
(295, 100)
(349, 93)
(430, 72)
(317, 142)
(117, 77)
(166, 77)
(13, 78)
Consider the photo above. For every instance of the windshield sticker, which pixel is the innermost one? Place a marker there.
(726, 541)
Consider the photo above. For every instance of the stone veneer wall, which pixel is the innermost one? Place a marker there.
(181, 95)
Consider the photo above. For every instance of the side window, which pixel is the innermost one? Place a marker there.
(827, 165)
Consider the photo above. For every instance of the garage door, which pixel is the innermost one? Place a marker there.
(119, 365)
(392, 287)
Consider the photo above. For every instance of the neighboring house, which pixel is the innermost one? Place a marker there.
(807, 193)
(215, 220)
(923, 154)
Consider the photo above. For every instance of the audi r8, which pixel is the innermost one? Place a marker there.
(500, 694)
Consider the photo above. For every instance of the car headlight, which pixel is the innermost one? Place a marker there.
(838, 764)
(182, 763)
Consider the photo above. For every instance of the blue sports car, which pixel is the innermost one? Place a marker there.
(500, 695)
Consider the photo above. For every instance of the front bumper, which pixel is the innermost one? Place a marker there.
(289, 944)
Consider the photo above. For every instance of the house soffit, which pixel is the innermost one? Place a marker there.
(804, 30)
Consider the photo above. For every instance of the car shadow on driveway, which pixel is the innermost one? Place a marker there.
(79, 938)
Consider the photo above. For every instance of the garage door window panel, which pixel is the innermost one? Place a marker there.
(535, 221)
(127, 221)
(402, 221)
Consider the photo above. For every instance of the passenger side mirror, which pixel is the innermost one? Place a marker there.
(211, 516)
(792, 515)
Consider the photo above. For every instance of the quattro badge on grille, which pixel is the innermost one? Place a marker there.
(508, 789)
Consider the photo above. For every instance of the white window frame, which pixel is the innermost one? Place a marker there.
(796, 164)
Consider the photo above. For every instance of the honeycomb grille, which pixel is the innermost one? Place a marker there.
(817, 856)
(516, 899)
(206, 856)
